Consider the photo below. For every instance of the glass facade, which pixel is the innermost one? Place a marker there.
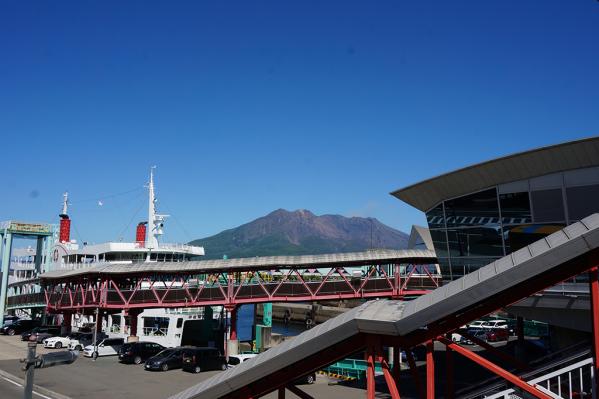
(473, 230)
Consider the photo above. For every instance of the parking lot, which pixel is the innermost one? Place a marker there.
(107, 378)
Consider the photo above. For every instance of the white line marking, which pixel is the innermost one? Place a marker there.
(21, 386)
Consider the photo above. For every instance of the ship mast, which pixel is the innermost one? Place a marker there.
(155, 221)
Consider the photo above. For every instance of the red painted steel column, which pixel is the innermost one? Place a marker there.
(370, 382)
(393, 388)
(594, 288)
(430, 370)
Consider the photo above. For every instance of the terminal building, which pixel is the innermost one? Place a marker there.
(483, 212)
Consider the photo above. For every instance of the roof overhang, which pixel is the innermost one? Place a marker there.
(524, 165)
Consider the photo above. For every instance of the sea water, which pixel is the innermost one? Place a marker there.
(245, 319)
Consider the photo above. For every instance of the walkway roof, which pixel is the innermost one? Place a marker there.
(524, 165)
(379, 256)
(562, 249)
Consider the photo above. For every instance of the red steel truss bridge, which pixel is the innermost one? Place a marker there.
(232, 282)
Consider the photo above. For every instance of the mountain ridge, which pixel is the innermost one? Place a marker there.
(301, 232)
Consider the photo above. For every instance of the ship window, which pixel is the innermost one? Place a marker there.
(179, 322)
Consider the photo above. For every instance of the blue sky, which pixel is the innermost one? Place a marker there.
(246, 107)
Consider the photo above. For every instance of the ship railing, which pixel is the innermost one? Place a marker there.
(175, 246)
(155, 331)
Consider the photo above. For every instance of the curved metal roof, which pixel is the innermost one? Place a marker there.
(523, 165)
(257, 263)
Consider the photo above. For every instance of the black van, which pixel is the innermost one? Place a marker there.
(200, 359)
(138, 352)
(19, 326)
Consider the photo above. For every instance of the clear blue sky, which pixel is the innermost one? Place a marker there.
(250, 106)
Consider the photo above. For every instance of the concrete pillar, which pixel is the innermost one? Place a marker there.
(6, 250)
(133, 319)
(232, 341)
(39, 255)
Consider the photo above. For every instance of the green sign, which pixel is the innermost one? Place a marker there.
(30, 228)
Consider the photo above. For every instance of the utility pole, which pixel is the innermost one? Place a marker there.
(48, 360)
(29, 367)
(95, 334)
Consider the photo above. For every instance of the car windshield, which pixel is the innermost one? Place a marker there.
(167, 353)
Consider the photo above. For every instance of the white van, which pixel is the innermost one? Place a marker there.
(106, 347)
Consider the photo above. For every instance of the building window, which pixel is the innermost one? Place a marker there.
(582, 201)
(439, 242)
(515, 208)
(548, 205)
(517, 237)
(477, 242)
(473, 210)
(435, 217)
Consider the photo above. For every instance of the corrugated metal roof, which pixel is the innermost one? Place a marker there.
(524, 165)
(264, 263)
(397, 318)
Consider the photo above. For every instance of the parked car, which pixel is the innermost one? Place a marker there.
(168, 359)
(138, 352)
(307, 379)
(61, 342)
(476, 333)
(40, 333)
(201, 359)
(105, 347)
(498, 334)
(476, 324)
(83, 340)
(19, 326)
(498, 323)
(234, 360)
(8, 320)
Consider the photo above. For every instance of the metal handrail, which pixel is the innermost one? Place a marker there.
(537, 382)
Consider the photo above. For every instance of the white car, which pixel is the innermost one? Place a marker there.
(495, 324)
(57, 342)
(234, 360)
(476, 324)
(105, 347)
(82, 340)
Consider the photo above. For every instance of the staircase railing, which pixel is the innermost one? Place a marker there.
(573, 381)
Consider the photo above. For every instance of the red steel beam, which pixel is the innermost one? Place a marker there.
(502, 355)
(370, 382)
(514, 379)
(391, 382)
(430, 370)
